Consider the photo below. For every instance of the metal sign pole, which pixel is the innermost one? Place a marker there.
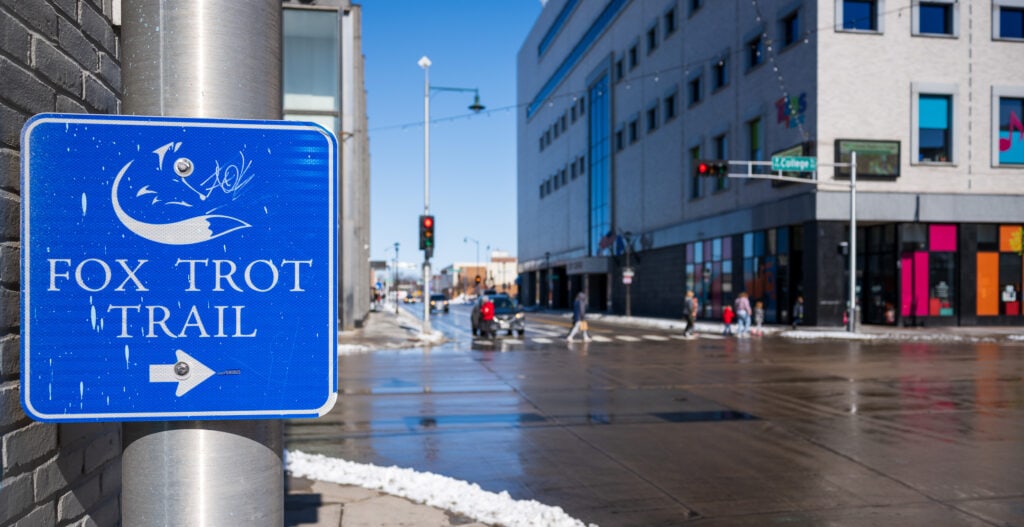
(196, 59)
(812, 165)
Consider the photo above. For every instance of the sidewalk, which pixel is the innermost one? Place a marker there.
(313, 503)
(310, 503)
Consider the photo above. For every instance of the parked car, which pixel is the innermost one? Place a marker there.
(507, 315)
(438, 302)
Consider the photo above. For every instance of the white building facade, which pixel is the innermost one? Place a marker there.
(619, 98)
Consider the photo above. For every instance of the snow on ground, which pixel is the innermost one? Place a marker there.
(430, 489)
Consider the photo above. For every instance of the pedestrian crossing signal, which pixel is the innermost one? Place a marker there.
(712, 168)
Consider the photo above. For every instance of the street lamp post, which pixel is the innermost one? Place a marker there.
(396, 278)
(425, 63)
(547, 259)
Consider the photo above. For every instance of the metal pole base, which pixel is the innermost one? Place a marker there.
(208, 473)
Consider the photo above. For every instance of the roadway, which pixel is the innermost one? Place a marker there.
(640, 427)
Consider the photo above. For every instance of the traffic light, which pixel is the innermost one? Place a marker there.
(477, 279)
(427, 234)
(712, 168)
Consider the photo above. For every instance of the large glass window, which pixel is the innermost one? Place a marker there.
(1011, 131)
(600, 163)
(999, 270)
(311, 66)
(934, 135)
(860, 15)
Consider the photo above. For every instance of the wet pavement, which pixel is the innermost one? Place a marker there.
(640, 427)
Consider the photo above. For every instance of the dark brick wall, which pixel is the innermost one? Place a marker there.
(55, 56)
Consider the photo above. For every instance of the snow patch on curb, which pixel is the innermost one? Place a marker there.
(430, 489)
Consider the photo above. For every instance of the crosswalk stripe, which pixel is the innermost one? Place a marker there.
(601, 338)
(542, 340)
(627, 338)
(680, 337)
(657, 338)
(546, 332)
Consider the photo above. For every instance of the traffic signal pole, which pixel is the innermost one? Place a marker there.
(715, 169)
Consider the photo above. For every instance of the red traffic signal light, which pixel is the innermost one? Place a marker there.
(715, 168)
(427, 233)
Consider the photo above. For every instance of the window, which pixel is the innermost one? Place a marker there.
(564, 127)
(670, 107)
(755, 140)
(934, 137)
(541, 143)
(720, 73)
(580, 104)
(572, 114)
(565, 179)
(721, 152)
(858, 15)
(670, 22)
(572, 170)
(634, 131)
(790, 28)
(934, 18)
(694, 90)
(557, 181)
(755, 52)
(1008, 19)
(652, 39)
(1011, 131)
(634, 57)
(652, 118)
(695, 6)
(620, 139)
(620, 70)
(582, 161)
(696, 181)
(555, 127)
(542, 191)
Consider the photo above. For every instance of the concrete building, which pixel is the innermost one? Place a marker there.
(324, 83)
(619, 98)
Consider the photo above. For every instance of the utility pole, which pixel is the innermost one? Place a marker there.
(719, 168)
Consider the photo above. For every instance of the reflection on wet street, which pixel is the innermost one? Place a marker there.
(647, 429)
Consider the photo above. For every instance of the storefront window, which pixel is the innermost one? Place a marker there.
(999, 270)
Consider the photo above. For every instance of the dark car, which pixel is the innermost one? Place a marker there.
(507, 315)
(438, 302)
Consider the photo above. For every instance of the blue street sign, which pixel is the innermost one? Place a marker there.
(177, 269)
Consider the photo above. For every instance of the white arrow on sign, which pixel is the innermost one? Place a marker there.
(187, 372)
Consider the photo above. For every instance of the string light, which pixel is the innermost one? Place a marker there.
(574, 95)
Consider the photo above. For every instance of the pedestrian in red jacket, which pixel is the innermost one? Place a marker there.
(727, 317)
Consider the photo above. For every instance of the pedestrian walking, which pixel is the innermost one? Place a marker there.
(690, 309)
(798, 312)
(758, 318)
(742, 308)
(727, 316)
(579, 318)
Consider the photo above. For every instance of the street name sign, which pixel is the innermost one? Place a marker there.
(177, 269)
(794, 164)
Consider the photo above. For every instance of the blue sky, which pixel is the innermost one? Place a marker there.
(472, 44)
